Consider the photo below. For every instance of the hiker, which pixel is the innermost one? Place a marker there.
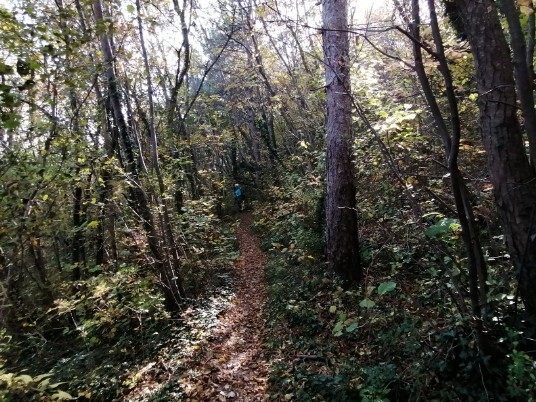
(239, 197)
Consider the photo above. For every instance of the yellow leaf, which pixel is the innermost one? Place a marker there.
(524, 2)
(43, 384)
(62, 396)
(41, 376)
(526, 10)
(25, 378)
(45, 197)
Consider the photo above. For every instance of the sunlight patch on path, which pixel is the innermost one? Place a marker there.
(232, 365)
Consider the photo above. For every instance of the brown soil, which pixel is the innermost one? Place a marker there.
(232, 365)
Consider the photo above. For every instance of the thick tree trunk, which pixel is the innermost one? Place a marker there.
(341, 216)
(522, 73)
(511, 174)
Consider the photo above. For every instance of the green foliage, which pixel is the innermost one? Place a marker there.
(378, 379)
(294, 220)
(442, 227)
(387, 340)
(211, 243)
(521, 376)
(110, 305)
(23, 386)
(386, 287)
(396, 336)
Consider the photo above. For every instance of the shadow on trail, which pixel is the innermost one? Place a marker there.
(217, 355)
(232, 365)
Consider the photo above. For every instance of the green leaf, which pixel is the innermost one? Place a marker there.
(367, 303)
(5, 69)
(337, 330)
(43, 384)
(443, 226)
(93, 224)
(131, 8)
(351, 327)
(386, 287)
(11, 120)
(332, 309)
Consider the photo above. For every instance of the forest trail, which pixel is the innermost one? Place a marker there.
(232, 365)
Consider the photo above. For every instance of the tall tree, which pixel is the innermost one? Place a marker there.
(450, 135)
(165, 266)
(510, 171)
(341, 217)
(173, 280)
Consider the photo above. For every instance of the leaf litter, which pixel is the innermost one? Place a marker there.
(220, 356)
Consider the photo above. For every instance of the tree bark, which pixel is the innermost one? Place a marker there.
(522, 73)
(451, 143)
(531, 38)
(341, 216)
(511, 174)
(138, 197)
(172, 281)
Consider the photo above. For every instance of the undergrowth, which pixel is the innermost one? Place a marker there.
(111, 332)
(397, 336)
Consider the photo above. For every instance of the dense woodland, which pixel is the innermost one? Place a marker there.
(387, 155)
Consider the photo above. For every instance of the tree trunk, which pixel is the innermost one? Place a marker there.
(34, 245)
(522, 74)
(78, 253)
(107, 216)
(138, 197)
(451, 142)
(531, 38)
(341, 217)
(172, 279)
(511, 174)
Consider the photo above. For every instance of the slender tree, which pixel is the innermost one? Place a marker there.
(341, 217)
(138, 197)
(510, 170)
(173, 280)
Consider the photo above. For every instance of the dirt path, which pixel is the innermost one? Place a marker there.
(232, 364)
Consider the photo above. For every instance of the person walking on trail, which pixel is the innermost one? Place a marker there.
(239, 197)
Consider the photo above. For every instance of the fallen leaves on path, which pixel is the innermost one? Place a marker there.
(232, 365)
